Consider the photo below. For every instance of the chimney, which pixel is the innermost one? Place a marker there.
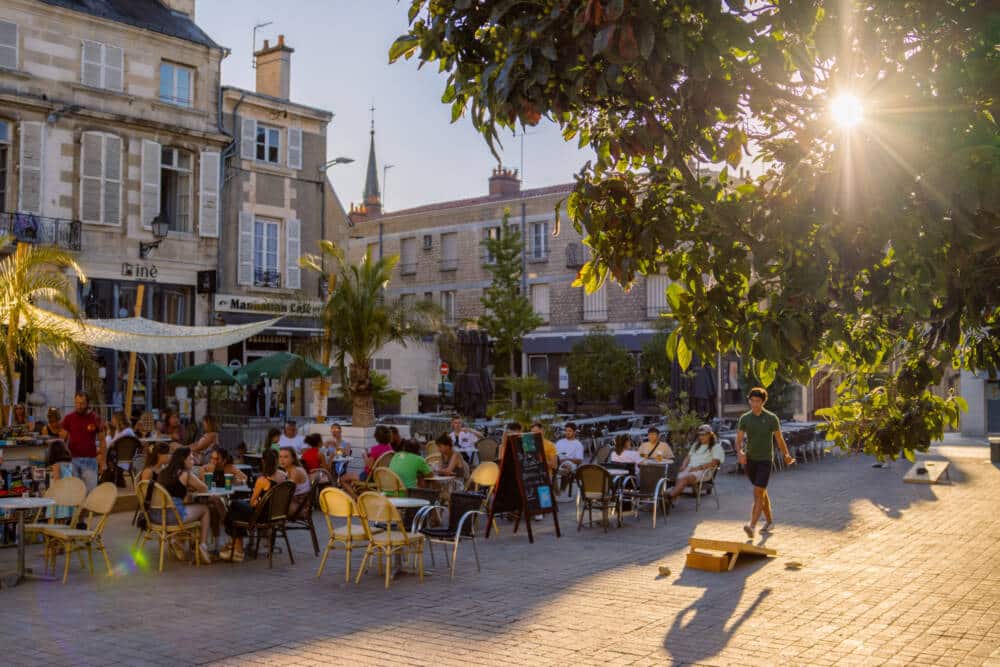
(504, 182)
(274, 69)
(185, 7)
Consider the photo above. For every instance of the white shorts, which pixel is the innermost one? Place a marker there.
(697, 474)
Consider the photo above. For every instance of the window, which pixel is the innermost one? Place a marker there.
(372, 250)
(448, 305)
(175, 188)
(100, 178)
(176, 84)
(490, 234)
(4, 166)
(8, 45)
(538, 365)
(540, 301)
(103, 66)
(539, 243)
(268, 144)
(428, 241)
(595, 305)
(408, 256)
(407, 300)
(656, 296)
(265, 254)
(381, 365)
(449, 252)
(428, 296)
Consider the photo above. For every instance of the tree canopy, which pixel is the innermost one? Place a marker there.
(871, 248)
(599, 368)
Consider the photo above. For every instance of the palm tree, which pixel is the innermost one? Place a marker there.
(359, 318)
(31, 276)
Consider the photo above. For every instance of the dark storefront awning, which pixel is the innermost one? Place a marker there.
(563, 343)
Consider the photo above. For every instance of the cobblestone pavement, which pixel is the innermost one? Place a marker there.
(892, 574)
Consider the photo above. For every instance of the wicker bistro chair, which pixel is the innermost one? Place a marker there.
(374, 507)
(270, 517)
(125, 450)
(433, 460)
(336, 504)
(369, 485)
(163, 522)
(302, 519)
(388, 482)
(596, 490)
(651, 489)
(463, 524)
(98, 504)
(67, 492)
(431, 449)
(487, 450)
(483, 481)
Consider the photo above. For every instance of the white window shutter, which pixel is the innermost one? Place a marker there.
(293, 249)
(248, 139)
(112, 180)
(149, 201)
(595, 304)
(30, 176)
(244, 272)
(294, 148)
(8, 45)
(92, 63)
(91, 172)
(656, 296)
(208, 216)
(540, 300)
(114, 68)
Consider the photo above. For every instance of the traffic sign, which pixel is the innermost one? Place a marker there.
(444, 368)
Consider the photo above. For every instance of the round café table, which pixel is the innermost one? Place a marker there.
(406, 504)
(20, 506)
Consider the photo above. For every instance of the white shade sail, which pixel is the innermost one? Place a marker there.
(137, 334)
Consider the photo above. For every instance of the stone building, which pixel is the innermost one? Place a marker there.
(109, 133)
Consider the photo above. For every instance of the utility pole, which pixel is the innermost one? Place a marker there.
(385, 180)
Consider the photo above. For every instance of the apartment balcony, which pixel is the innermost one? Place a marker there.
(264, 278)
(40, 230)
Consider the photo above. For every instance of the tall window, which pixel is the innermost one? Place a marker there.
(408, 256)
(268, 144)
(265, 254)
(176, 84)
(4, 156)
(103, 66)
(491, 234)
(175, 188)
(656, 296)
(448, 305)
(101, 178)
(595, 305)
(539, 240)
(449, 251)
(540, 300)
(8, 45)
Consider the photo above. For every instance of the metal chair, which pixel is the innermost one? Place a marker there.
(487, 450)
(270, 516)
(462, 525)
(650, 489)
(706, 486)
(596, 490)
(302, 519)
(602, 454)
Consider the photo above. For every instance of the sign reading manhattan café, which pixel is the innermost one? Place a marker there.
(233, 303)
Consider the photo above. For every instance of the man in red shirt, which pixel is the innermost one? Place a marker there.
(82, 431)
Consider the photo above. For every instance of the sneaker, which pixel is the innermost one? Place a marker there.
(205, 556)
(748, 530)
(767, 527)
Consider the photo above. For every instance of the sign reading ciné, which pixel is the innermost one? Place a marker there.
(233, 303)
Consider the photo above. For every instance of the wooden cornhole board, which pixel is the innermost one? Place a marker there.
(726, 560)
(935, 469)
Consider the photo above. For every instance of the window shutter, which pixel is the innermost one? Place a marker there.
(595, 304)
(244, 273)
(208, 217)
(91, 171)
(293, 248)
(112, 180)
(149, 201)
(90, 69)
(30, 177)
(540, 300)
(8, 45)
(294, 148)
(656, 296)
(114, 68)
(248, 139)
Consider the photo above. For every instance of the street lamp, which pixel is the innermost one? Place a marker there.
(322, 205)
(336, 161)
(161, 227)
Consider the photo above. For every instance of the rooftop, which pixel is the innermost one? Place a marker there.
(277, 101)
(484, 199)
(147, 14)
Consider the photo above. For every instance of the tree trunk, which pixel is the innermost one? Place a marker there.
(362, 401)
(513, 374)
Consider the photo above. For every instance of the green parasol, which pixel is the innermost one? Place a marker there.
(206, 374)
(281, 365)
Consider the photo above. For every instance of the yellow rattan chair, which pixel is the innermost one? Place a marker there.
(169, 526)
(381, 462)
(433, 460)
(431, 449)
(375, 507)
(336, 504)
(388, 482)
(68, 539)
(67, 492)
(484, 480)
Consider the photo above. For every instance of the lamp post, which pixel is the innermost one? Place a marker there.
(322, 198)
(161, 227)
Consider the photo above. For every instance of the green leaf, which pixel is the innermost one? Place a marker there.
(403, 46)
(675, 291)
(684, 353)
(766, 372)
(908, 453)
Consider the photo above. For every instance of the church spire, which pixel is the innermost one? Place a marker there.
(372, 195)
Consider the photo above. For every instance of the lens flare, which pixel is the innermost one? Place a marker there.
(846, 110)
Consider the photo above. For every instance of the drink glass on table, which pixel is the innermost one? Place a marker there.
(229, 481)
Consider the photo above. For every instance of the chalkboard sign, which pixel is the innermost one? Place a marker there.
(524, 486)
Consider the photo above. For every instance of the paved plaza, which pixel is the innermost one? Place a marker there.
(891, 574)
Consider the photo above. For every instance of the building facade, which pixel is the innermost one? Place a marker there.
(110, 124)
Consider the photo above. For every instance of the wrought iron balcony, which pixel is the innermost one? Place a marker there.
(264, 278)
(37, 229)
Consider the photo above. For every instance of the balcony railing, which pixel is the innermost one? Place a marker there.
(37, 229)
(407, 268)
(265, 278)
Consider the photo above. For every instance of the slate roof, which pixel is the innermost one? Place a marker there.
(485, 199)
(147, 14)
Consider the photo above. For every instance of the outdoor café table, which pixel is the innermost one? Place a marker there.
(20, 506)
(339, 464)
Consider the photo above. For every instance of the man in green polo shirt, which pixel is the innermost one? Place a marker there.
(760, 428)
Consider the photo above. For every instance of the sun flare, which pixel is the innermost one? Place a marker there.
(847, 110)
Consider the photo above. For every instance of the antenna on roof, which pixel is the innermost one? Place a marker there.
(253, 43)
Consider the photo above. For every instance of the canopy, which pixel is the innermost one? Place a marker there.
(137, 334)
(209, 373)
(281, 365)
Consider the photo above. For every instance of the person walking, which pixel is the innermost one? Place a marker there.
(759, 428)
(82, 429)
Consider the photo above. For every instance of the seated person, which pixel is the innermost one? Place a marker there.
(53, 424)
(654, 448)
(312, 455)
(624, 453)
(383, 437)
(157, 456)
(551, 455)
(288, 461)
(705, 455)
(221, 464)
(452, 464)
(178, 479)
(243, 510)
(410, 465)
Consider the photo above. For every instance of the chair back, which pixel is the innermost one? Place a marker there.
(160, 500)
(99, 503)
(375, 507)
(273, 507)
(336, 504)
(146, 423)
(126, 447)
(386, 481)
(433, 460)
(383, 461)
(488, 450)
(594, 480)
(485, 474)
(431, 449)
(69, 491)
(602, 455)
(649, 475)
(460, 504)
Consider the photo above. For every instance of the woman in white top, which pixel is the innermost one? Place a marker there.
(705, 455)
(288, 461)
(624, 453)
(119, 428)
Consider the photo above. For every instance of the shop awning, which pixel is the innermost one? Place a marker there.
(137, 334)
(562, 343)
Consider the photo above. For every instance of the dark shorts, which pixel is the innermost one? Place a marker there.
(758, 472)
